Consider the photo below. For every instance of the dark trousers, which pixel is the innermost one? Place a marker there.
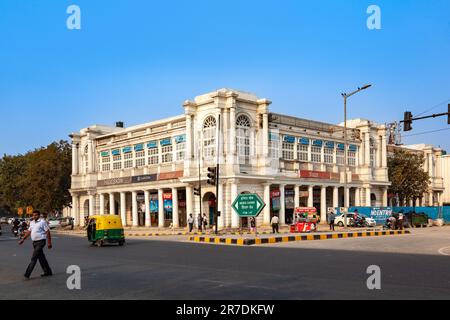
(191, 226)
(332, 225)
(38, 254)
(275, 227)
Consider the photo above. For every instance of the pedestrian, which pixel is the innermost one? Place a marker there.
(331, 218)
(199, 223)
(40, 235)
(275, 224)
(400, 221)
(205, 222)
(190, 223)
(252, 224)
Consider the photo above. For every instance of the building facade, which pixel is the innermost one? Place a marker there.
(147, 173)
(445, 165)
(434, 165)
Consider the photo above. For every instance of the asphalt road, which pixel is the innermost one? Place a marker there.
(160, 269)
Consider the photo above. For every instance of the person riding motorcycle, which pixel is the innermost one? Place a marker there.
(15, 227)
(23, 227)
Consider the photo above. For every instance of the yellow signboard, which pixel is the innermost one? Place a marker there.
(29, 210)
(20, 211)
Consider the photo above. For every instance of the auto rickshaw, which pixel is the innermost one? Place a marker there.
(105, 229)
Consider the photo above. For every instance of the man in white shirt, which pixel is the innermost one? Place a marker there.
(275, 224)
(40, 234)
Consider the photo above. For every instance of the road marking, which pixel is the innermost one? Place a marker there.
(442, 251)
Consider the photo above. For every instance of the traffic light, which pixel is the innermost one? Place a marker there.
(407, 122)
(197, 191)
(212, 175)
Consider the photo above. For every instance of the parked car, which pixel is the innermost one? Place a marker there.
(371, 222)
(54, 223)
(3, 220)
(339, 220)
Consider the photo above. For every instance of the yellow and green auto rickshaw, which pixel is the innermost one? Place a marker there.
(105, 229)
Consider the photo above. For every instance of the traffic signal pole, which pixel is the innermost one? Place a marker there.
(216, 207)
(408, 118)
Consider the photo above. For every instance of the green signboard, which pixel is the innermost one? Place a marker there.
(248, 205)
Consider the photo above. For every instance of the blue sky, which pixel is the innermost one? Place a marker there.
(138, 60)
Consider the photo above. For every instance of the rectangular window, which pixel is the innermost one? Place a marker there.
(140, 159)
(153, 155)
(117, 162)
(372, 157)
(128, 160)
(288, 151)
(181, 147)
(316, 154)
(167, 154)
(302, 150)
(351, 158)
(274, 149)
(340, 157)
(328, 155)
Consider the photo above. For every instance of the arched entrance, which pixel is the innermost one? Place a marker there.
(373, 199)
(209, 202)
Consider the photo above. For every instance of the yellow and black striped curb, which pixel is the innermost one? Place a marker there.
(249, 242)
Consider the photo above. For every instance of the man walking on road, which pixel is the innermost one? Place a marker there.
(331, 218)
(275, 224)
(190, 223)
(40, 234)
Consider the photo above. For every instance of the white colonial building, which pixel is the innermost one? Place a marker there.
(147, 173)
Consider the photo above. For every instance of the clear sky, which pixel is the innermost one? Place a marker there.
(138, 60)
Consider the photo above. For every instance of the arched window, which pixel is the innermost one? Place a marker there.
(209, 137)
(243, 137)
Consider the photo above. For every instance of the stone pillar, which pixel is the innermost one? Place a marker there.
(233, 130)
(282, 205)
(384, 151)
(189, 202)
(220, 207)
(134, 209)
(379, 154)
(347, 197)
(385, 198)
(323, 204)
(265, 135)
(367, 148)
(310, 196)
(357, 197)
(74, 159)
(296, 196)
(90, 157)
(112, 204)
(76, 209)
(160, 208)
(266, 220)
(175, 217)
(368, 193)
(102, 204)
(91, 205)
(189, 139)
(148, 221)
(417, 202)
(430, 199)
(123, 208)
(234, 215)
(335, 197)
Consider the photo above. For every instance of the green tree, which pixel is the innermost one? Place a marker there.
(408, 179)
(12, 171)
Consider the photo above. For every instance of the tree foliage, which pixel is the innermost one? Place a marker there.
(408, 179)
(40, 178)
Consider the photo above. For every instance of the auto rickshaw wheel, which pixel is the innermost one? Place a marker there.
(99, 243)
(121, 243)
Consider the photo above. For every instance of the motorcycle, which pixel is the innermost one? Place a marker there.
(359, 223)
(15, 231)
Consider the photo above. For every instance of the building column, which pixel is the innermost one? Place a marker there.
(189, 202)
(310, 196)
(220, 207)
(123, 208)
(90, 157)
(384, 151)
(160, 208)
(367, 148)
(368, 193)
(148, 221)
(347, 197)
(74, 159)
(335, 197)
(282, 204)
(265, 135)
(234, 215)
(134, 209)
(296, 196)
(189, 137)
(112, 204)
(102, 204)
(266, 219)
(76, 209)
(175, 217)
(232, 130)
(430, 199)
(323, 204)
(417, 202)
(91, 205)
(357, 197)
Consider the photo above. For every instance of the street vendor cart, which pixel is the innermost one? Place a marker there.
(305, 220)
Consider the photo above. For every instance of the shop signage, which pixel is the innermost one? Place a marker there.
(341, 146)
(315, 174)
(114, 181)
(166, 142)
(248, 205)
(104, 153)
(171, 175)
(303, 194)
(179, 139)
(329, 145)
(139, 147)
(317, 143)
(274, 193)
(307, 210)
(167, 196)
(304, 141)
(353, 148)
(289, 139)
(152, 145)
(116, 152)
(127, 150)
(144, 178)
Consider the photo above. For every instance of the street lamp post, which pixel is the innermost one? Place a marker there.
(345, 96)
